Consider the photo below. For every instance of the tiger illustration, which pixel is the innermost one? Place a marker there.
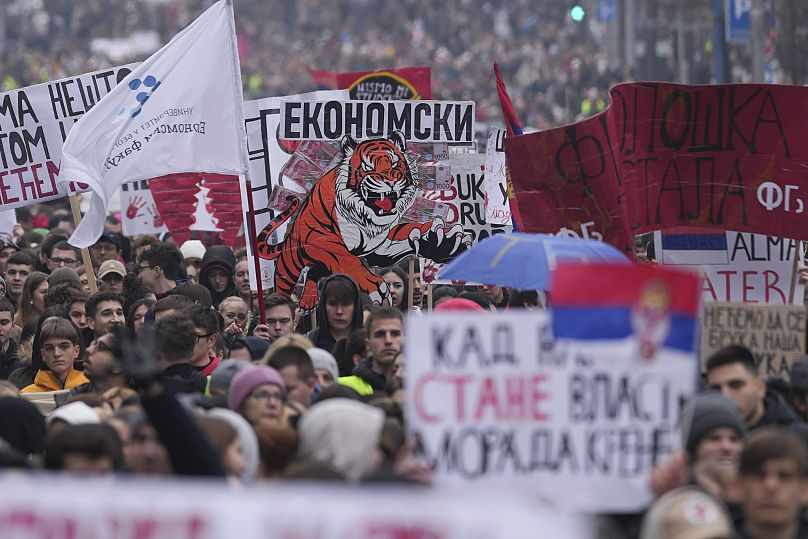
(351, 214)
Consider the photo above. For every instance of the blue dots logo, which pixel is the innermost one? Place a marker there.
(144, 88)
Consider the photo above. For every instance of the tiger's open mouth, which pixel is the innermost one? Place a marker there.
(381, 203)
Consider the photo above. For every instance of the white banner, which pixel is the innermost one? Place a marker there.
(131, 509)
(420, 121)
(34, 122)
(178, 111)
(738, 267)
(491, 400)
(497, 206)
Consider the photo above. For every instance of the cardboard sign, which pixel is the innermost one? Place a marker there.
(737, 267)
(32, 508)
(775, 334)
(497, 205)
(492, 400)
(467, 204)
(388, 84)
(422, 121)
(664, 155)
(34, 123)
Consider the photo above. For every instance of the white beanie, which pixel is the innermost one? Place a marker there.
(192, 249)
(74, 413)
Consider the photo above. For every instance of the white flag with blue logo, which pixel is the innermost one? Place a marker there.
(181, 110)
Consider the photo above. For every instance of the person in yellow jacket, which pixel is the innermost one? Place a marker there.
(60, 348)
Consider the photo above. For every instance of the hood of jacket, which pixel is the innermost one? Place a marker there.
(222, 257)
(776, 412)
(321, 336)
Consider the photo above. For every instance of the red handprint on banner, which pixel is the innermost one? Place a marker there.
(135, 205)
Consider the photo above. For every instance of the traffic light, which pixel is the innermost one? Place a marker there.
(577, 13)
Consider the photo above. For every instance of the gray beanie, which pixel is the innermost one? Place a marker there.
(706, 412)
(223, 374)
(322, 359)
(65, 275)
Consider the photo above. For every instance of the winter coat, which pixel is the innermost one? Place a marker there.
(218, 256)
(364, 380)
(47, 381)
(321, 336)
(776, 412)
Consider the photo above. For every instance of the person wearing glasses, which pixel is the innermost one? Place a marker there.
(258, 393)
(108, 247)
(63, 255)
(158, 268)
(205, 357)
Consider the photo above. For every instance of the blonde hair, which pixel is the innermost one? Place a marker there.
(294, 339)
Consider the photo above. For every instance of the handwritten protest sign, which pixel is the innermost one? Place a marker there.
(387, 84)
(420, 121)
(492, 400)
(664, 155)
(775, 334)
(737, 266)
(34, 123)
(466, 200)
(178, 509)
(497, 205)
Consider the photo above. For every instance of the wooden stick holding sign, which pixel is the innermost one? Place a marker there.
(410, 282)
(429, 297)
(795, 270)
(85, 253)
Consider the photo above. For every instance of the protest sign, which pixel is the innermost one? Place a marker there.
(775, 334)
(34, 122)
(422, 121)
(664, 155)
(497, 205)
(268, 154)
(492, 401)
(737, 266)
(467, 203)
(387, 84)
(32, 508)
(139, 213)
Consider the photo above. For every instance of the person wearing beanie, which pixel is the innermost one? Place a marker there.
(459, 304)
(258, 393)
(798, 398)
(249, 348)
(221, 379)
(65, 276)
(712, 429)
(686, 513)
(193, 251)
(325, 367)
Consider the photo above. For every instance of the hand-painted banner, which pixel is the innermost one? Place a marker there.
(423, 121)
(34, 122)
(664, 155)
(737, 267)
(388, 84)
(497, 204)
(139, 213)
(268, 154)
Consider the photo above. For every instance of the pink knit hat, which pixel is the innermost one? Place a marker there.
(248, 378)
(459, 304)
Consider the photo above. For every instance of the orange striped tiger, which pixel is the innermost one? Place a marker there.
(351, 214)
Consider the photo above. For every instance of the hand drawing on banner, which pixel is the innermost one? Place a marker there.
(353, 213)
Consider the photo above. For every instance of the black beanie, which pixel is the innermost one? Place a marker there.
(706, 412)
(21, 425)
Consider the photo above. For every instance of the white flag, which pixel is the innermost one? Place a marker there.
(181, 110)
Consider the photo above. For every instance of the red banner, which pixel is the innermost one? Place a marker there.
(731, 157)
(388, 84)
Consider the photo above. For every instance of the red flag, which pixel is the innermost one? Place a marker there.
(326, 80)
(512, 127)
(383, 84)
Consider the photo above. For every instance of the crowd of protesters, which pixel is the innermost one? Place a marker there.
(167, 370)
(556, 68)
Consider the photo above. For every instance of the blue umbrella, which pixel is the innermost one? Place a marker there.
(525, 261)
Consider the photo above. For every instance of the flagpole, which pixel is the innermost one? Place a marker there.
(245, 164)
(794, 270)
(85, 253)
(410, 283)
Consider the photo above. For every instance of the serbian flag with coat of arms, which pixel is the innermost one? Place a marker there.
(181, 110)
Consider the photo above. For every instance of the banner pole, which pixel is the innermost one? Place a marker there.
(794, 271)
(410, 283)
(85, 253)
(428, 297)
(253, 235)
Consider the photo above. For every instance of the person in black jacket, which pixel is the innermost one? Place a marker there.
(175, 337)
(8, 348)
(339, 312)
(216, 273)
(733, 372)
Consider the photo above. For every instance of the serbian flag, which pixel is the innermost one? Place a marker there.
(655, 308)
(512, 127)
(181, 110)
